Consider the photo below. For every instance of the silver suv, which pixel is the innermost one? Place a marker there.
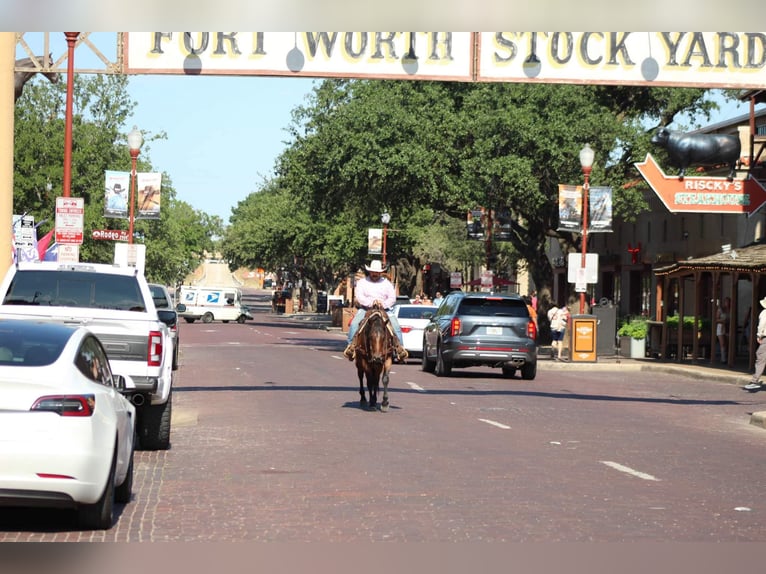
(472, 329)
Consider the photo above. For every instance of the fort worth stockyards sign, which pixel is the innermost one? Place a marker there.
(677, 59)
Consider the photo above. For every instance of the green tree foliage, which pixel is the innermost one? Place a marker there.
(101, 109)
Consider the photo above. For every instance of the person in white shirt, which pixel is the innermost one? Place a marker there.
(375, 287)
(760, 354)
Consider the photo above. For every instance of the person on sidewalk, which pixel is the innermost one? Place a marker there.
(760, 354)
(375, 288)
(558, 316)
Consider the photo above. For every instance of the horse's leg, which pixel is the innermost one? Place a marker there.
(373, 379)
(362, 397)
(384, 403)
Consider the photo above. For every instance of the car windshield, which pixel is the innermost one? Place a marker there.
(493, 307)
(75, 289)
(417, 312)
(159, 297)
(29, 344)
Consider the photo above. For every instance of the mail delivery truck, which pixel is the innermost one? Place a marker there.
(212, 304)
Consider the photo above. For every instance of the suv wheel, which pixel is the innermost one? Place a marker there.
(529, 371)
(427, 364)
(443, 366)
(509, 372)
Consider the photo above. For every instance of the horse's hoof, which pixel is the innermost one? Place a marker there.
(363, 404)
(384, 408)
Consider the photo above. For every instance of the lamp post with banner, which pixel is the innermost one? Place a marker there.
(586, 162)
(135, 139)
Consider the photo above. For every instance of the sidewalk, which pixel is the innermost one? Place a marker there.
(738, 375)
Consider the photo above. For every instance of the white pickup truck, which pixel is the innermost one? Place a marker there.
(116, 304)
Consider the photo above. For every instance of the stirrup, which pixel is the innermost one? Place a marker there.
(350, 352)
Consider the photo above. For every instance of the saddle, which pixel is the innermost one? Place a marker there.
(371, 312)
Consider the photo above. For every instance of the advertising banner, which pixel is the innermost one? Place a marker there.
(149, 188)
(116, 194)
(374, 241)
(570, 208)
(600, 210)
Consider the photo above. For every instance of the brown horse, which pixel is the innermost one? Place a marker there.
(374, 355)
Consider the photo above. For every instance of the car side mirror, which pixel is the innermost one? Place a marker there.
(121, 382)
(167, 316)
(181, 308)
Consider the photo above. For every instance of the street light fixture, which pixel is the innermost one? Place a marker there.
(586, 162)
(386, 219)
(135, 139)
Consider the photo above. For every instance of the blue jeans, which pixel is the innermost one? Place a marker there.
(360, 313)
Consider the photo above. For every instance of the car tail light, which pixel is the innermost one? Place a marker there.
(454, 328)
(406, 328)
(155, 349)
(67, 405)
(532, 330)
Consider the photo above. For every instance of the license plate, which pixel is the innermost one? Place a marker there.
(494, 330)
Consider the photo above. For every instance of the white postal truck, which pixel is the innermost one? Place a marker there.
(212, 304)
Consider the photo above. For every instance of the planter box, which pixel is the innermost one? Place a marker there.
(637, 348)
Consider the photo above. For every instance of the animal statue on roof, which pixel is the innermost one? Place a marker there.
(707, 150)
(22, 77)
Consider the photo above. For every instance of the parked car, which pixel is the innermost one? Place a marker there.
(168, 314)
(68, 433)
(413, 319)
(471, 329)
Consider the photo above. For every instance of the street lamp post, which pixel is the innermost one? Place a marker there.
(71, 40)
(386, 219)
(135, 139)
(586, 161)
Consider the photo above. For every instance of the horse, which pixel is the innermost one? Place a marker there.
(374, 356)
(33, 66)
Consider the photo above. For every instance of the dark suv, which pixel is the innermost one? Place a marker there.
(472, 329)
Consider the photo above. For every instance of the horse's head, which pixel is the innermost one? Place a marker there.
(376, 339)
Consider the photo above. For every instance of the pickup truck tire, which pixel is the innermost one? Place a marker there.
(154, 425)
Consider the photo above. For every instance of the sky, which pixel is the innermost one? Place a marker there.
(224, 133)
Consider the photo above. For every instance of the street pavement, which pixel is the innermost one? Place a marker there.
(703, 370)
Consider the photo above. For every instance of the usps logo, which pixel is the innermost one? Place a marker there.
(188, 297)
(213, 297)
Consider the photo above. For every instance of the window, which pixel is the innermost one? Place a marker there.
(92, 362)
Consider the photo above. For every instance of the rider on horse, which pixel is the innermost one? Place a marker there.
(375, 288)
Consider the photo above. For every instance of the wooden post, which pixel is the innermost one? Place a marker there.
(7, 102)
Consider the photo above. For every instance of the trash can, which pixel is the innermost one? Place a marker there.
(607, 329)
(583, 338)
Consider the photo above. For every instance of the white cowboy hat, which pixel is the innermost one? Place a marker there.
(763, 302)
(375, 266)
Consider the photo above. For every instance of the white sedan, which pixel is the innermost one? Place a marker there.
(66, 431)
(412, 319)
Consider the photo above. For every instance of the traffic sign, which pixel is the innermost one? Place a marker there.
(69, 220)
(703, 194)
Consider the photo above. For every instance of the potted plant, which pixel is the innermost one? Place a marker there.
(636, 328)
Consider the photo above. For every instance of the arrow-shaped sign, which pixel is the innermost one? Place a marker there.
(703, 194)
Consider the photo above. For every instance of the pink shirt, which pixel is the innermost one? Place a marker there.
(367, 292)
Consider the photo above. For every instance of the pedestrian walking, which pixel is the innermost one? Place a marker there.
(558, 317)
(760, 354)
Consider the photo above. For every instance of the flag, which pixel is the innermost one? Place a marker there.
(43, 244)
(52, 253)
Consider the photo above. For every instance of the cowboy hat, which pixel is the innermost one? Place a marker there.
(117, 187)
(375, 266)
(763, 302)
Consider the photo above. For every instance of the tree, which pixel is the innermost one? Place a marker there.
(101, 108)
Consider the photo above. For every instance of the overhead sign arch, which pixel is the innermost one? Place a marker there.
(671, 59)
